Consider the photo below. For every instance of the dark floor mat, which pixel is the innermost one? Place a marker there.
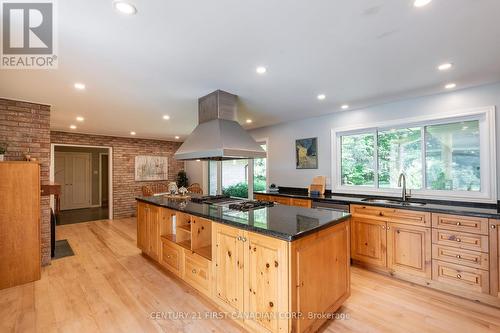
(63, 249)
(82, 215)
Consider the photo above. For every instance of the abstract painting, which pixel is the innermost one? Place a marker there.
(150, 168)
(306, 153)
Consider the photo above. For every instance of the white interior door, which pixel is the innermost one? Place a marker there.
(72, 171)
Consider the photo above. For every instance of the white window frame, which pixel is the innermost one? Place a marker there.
(486, 117)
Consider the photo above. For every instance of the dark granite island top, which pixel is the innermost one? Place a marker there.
(282, 222)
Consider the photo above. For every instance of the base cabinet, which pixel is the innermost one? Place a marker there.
(228, 265)
(495, 257)
(148, 230)
(251, 277)
(455, 254)
(409, 249)
(369, 241)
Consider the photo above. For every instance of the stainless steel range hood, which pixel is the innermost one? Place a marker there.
(218, 136)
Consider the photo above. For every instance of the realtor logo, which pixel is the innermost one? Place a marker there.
(28, 38)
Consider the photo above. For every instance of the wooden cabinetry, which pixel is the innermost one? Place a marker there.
(148, 229)
(495, 257)
(306, 203)
(19, 223)
(228, 259)
(369, 241)
(409, 249)
(320, 275)
(251, 276)
(282, 200)
(265, 281)
(197, 272)
(260, 278)
(394, 240)
(452, 253)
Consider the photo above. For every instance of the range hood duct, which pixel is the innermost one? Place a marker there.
(218, 135)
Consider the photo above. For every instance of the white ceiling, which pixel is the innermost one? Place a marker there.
(161, 60)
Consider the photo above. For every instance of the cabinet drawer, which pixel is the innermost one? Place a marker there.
(461, 257)
(369, 211)
(280, 200)
(466, 278)
(171, 256)
(197, 271)
(402, 216)
(262, 197)
(301, 203)
(460, 240)
(475, 225)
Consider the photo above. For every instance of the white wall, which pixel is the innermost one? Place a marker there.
(281, 144)
(194, 171)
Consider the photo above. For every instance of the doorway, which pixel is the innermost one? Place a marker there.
(84, 175)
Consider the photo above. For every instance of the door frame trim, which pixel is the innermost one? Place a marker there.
(110, 171)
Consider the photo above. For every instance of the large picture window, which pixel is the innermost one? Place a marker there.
(238, 178)
(442, 158)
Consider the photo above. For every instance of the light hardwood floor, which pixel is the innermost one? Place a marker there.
(109, 287)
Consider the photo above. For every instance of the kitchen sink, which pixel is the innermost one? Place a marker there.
(393, 202)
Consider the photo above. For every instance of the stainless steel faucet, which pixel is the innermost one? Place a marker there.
(402, 181)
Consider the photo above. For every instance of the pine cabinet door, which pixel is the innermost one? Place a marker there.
(409, 249)
(266, 282)
(142, 227)
(228, 266)
(369, 241)
(154, 232)
(495, 257)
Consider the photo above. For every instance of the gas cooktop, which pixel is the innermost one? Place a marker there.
(251, 204)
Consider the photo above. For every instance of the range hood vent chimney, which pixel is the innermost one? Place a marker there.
(218, 135)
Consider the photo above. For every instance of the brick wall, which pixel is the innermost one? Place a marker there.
(25, 128)
(125, 188)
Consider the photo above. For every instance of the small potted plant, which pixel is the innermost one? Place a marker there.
(3, 148)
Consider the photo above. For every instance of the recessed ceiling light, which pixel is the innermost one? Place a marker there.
(177, 137)
(450, 85)
(261, 70)
(445, 66)
(321, 97)
(166, 117)
(421, 3)
(80, 119)
(249, 121)
(79, 86)
(133, 133)
(345, 107)
(72, 126)
(125, 7)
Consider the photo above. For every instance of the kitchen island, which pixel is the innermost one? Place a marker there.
(272, 269)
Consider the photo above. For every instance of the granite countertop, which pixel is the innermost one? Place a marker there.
(284, 222)
(447, 207)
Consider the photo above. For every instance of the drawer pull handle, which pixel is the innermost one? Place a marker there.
(459, 256)
(194, 271)
(381, 214)
(388, 228)
(243, 239)
(271, 304)
(493, 226)
(459, 240)
(168, 257)
(383, 227)
(459, 224)
(459, 276)
(238, 238)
